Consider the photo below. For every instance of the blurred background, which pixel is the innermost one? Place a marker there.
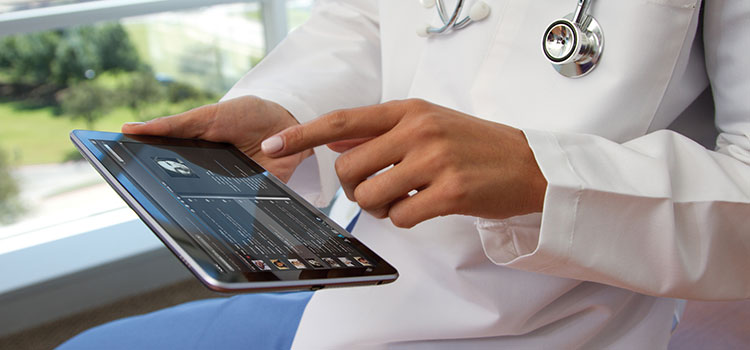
(101, 73)
(68, 243)
(72, 255)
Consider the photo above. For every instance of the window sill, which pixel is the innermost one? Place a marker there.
(53, 270)
(82, 264)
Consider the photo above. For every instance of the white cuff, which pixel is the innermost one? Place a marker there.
(537, 242)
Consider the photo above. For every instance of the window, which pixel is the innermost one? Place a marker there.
(97, 64)
(68, 64)
(139, 66)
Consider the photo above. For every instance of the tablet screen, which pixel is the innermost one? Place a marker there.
(228, 214)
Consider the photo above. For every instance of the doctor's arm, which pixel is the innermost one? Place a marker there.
(331, 61)
(455, 163)
(659, 214)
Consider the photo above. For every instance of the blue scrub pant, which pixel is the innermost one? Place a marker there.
(252, 321)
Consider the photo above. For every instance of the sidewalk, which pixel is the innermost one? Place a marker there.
(55, 194)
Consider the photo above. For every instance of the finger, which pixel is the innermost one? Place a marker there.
(343, 146)
(336, 126)
(424, 205)
(190, 124)
(382, 212)
(377, 194)
(361, 162)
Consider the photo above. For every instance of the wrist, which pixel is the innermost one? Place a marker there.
(536, 183)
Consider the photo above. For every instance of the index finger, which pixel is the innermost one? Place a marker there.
(341, 125)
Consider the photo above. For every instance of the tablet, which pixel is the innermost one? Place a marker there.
(234, 225)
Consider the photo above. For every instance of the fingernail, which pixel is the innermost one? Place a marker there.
(134, 123)
(272, 144)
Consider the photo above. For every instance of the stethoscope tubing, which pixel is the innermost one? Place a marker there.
(578, 27)
(449, 23)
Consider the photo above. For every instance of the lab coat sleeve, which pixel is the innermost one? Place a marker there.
(332, 61)
(659, 214)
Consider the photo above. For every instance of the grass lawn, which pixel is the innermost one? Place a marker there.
(37, 136)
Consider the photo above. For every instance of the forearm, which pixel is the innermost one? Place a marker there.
(660, 215)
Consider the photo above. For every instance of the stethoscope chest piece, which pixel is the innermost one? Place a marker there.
(574, 43)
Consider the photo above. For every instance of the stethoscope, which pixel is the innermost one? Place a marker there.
(572, 44)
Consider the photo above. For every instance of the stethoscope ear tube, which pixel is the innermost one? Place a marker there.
(478, 11)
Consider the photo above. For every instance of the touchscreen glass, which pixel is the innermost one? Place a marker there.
(242, 222)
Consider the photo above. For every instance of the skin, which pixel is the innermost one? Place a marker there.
(243, 122)
(458, 164)
(438, 161)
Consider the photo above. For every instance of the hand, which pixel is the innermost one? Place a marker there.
(458, 164)
(243, 122)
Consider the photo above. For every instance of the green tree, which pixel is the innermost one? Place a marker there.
(66, 56)
(87, 100)
(26, 58)
(10, 207)
(178, 91)
(116, 51)
(76, 54)
(142, 90)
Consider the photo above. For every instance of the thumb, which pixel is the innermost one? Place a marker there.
(190, 124)
(133, 128)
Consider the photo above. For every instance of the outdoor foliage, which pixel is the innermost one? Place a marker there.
(86, 72)
(142, 90)
(139, 91)
(89, 73)
(115, 49)
(27, 58)
(64, 57)
(10, 207)
(87, 100)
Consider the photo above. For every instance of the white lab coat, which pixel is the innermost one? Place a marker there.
(633, 215)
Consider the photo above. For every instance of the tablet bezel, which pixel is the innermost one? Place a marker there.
(167, 229)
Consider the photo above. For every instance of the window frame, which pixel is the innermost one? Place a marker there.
(63, 16)
(60, 276)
